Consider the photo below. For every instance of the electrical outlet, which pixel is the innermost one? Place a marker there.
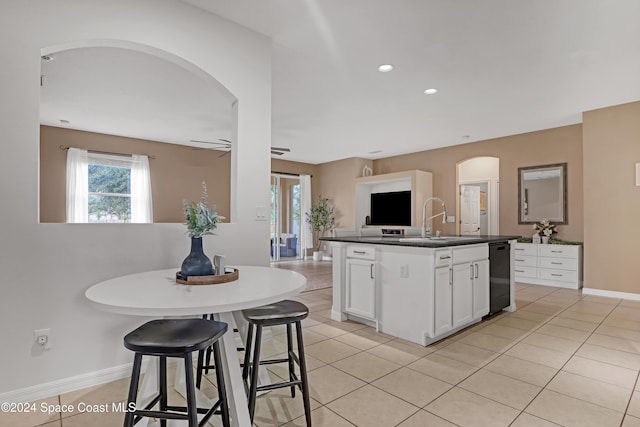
(42, 338)
(451, 219)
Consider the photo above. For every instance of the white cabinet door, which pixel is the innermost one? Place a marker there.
(481, 288)
(360, 298)
(462, 294)
(442, 301)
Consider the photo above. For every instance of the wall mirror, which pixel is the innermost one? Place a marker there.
(122, 101)
(542, 193)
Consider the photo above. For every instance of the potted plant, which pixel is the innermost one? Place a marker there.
(201, 220)
(545, 229)
(320, 218)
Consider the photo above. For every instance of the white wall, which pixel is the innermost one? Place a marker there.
(46, 268)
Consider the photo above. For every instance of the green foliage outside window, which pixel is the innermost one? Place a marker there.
(109, 180)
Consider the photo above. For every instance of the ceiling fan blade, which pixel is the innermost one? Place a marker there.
(225, 143)
(277, 153)
(280, 149)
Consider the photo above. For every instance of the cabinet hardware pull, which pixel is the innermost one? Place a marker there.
(450, 276)
(556, 263)
(471, 277)
(519, 249)
(445, 257)
(557, 252)
(371, 271)
(521, 260)
(519, 271)
(557, 275)
(359, 252)
(476, 271)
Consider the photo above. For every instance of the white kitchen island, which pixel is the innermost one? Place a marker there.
(417, 290)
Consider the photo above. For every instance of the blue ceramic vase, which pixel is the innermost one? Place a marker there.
(197, 263)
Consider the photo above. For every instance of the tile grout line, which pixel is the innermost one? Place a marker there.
(560, 370)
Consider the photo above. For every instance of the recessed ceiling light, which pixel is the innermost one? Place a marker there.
(47, 58)
(385, 68)
(375, 152)
(466, 136)
(431, 91)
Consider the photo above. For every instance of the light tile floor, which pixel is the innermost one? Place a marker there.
(562, 359)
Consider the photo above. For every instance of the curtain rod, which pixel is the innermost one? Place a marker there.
(63, 147)
(290, 174)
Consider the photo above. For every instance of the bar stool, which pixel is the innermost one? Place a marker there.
(175, 338)
(287, 313)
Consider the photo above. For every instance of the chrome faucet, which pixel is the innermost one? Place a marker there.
(427, 231)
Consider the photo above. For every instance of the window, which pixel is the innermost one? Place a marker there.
(104, 188)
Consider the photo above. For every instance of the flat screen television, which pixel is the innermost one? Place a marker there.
(392, 208)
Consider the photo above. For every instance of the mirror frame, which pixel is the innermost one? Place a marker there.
(563, 174)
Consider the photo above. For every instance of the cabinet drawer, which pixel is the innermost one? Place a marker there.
(443, 258)
(470, 253)
(525, 272)
(525, 260)
(526, 249)
(558, 263)
(558, 275)
(560, 251)
(361, 252)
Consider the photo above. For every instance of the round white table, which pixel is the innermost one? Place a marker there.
(155, 293)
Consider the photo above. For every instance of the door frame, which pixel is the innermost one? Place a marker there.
(493, 213)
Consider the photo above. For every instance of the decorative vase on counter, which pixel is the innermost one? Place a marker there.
(196, 263)
(545, 240)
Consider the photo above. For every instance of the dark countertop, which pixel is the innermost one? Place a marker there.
(443, 241)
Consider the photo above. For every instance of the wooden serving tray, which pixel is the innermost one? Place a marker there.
(228, 276)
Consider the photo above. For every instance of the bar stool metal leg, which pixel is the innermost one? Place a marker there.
(255, 369)
(222, 390)
(192, 408)
(292, 376)
(247, 358)
(303, 374)
(133, 389)
(163, 387)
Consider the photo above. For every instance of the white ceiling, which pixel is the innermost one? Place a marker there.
(502, 67)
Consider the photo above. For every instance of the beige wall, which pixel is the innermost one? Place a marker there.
(177, 172)
(611, 199)
(556, 145)
(338, 184)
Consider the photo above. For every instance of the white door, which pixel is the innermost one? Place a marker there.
(481, 299)
(469, 210)
(462, 294)
(360, 288)
(442, 302)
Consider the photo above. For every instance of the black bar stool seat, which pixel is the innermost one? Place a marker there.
(287, 313)
(175, 338)
(279, 313)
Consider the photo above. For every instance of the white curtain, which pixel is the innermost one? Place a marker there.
(141, 202)
(77, 185)
(306, 234)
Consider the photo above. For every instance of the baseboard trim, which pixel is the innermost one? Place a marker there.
(66, 385)
(611, 294)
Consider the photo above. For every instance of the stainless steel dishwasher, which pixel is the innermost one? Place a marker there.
(499, 276)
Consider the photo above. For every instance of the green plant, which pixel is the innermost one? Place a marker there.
(545, 228)
(320, 218)
(201, 219)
